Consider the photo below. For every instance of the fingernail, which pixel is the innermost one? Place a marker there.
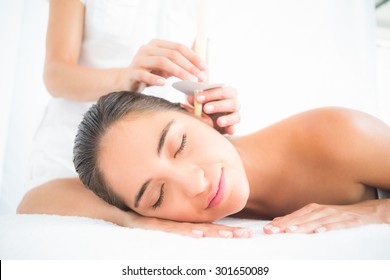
(241, 232)
(204, 65)
(222, 122)
(200, 98)
(209, 108)
(273, 229)
(160, 82)
(192, 78)
(202, 76)
(320, 229)
(225, 233)
(292, 228)
(197, 233)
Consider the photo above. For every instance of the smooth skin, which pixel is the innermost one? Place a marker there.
(313, 172)
(151, 66)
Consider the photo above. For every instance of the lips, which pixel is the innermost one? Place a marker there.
(218, 192)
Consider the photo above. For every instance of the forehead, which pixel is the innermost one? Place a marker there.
(128, 133)
(130, 144)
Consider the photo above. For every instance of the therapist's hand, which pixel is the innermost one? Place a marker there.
(159, 60)
(197, 230)
(222, 105)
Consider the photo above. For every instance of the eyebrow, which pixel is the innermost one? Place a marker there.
(163, 135)
(141, 193)
(161, 142)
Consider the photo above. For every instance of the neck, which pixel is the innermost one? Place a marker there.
(253, 156)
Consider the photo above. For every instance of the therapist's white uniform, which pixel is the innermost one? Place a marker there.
(113, 32)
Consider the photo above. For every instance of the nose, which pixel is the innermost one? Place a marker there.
(190, 179)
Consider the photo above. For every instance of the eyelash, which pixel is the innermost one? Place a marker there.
(182, 146)
(160, 199)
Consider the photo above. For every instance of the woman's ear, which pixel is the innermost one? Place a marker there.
(204, 118)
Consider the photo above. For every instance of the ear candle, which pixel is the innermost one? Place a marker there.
(200, 48)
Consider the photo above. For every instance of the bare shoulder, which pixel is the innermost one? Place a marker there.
(356, 141)
(328, 129)
(332, 124)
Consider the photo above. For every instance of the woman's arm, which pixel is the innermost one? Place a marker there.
(69, 197)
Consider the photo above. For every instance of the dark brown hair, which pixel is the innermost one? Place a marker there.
(108, 110)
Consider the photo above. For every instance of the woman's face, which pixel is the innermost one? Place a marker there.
(171, 165)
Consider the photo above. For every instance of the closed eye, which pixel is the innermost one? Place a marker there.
(160, 198)
(182, 145)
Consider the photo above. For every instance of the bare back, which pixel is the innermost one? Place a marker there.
(327, 156)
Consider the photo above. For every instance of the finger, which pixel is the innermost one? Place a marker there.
(212, 230)
(296, 214)
(230, 130)
(327, 223)
(311, 225)
(179, 59)
(190, 99)
(168, 67)
(187, 52)
(280, 224)
(338, 225)
(235, 232)
(229, 120)
(319, 217)
(307, 223)
(193, 230)
(147, 78)
(243, 233)
(220, 231)
(217, 94)
(222, 106)
(142, 61)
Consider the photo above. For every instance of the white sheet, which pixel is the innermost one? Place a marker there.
(58, 237)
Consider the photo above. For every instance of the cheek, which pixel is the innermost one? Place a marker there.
(211, 143)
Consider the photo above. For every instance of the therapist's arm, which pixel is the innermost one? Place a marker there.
(68, 197)
(65, 78)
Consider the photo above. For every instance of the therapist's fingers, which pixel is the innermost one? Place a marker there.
(183, 57)
(221, 93)
(136, 77)
(229, 120)
(221, 106)
(184, 50)
(218, 100)
(169, 68)
(230, 130)
(163, 67)
(170, 59)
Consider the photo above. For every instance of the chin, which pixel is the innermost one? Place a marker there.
(234, 204)
(238, 205)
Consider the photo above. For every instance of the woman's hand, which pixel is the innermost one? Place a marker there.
(188, 229)
(316, 218)
(160, 59)
(222, 105)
